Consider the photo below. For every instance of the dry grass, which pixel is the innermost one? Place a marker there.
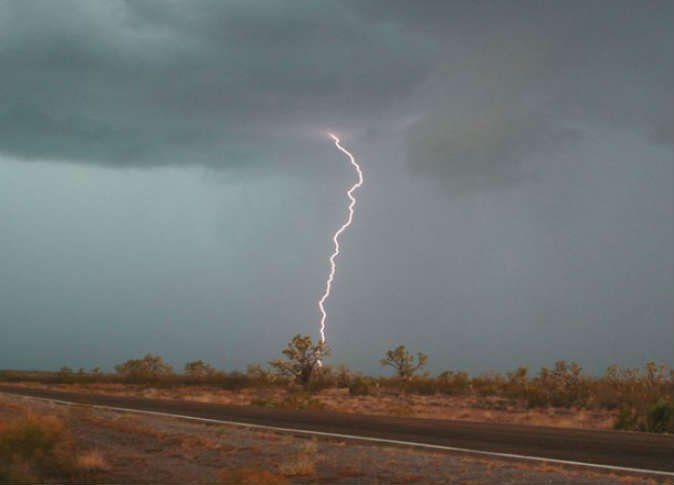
(92, 461)
(408, 478)
(350, 471)
(303, 464)
(34, 448)
(124, 424)
(300, 466)
(246, 476)
(309, 448)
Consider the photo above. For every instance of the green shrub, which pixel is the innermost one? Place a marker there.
(627, 419)
(660, 417)
(656, 418)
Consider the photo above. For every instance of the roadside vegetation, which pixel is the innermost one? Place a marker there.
(641, 399)
(40, 448)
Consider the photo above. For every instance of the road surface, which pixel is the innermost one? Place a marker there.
(643, 451)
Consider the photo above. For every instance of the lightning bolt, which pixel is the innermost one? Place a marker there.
(335, 238)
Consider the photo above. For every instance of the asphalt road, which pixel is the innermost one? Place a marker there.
(613, 448)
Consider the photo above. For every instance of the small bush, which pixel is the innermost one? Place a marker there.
(199, 370)
(424, 386)
(149, 368)
(657, 418)
(660, 417)
(564, 386)
(359, 387)
(35, 448)
(450, 382)
(627, 419)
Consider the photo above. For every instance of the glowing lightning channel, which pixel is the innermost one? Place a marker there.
(335, 238)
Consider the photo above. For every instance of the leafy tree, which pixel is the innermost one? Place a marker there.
(403, 362)
(302, 359)
(199, 369)
(149, 367)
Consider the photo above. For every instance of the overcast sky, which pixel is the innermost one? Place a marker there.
(166, 183)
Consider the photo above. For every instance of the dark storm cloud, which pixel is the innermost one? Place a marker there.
(488, 86)
(135, 82)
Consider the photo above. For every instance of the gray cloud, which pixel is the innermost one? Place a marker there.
(117, 82)
(484, 149)
(514, 84)
(152, 83)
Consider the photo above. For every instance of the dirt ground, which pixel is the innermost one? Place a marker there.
(469, 408)
(138, 448)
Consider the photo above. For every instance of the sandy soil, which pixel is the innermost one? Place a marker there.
(150, 449)
(468, 408)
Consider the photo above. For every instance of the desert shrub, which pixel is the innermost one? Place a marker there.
(450, 382)
(324, 377)
(564, 386)
(149, 368)
(425, 386)
(343, 377)
(660, 417)
(627, 419)
(403, 362)
(231, 381)
(488, 384)
(359, 386)
(516, 385)
(302, 359)
(35, 448)
(199, 370)
(644, 397)
(656, 418)
(260, 376)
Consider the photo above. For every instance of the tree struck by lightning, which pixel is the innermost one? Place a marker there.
(335, 238)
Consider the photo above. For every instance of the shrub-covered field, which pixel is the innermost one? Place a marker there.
(641, 399)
